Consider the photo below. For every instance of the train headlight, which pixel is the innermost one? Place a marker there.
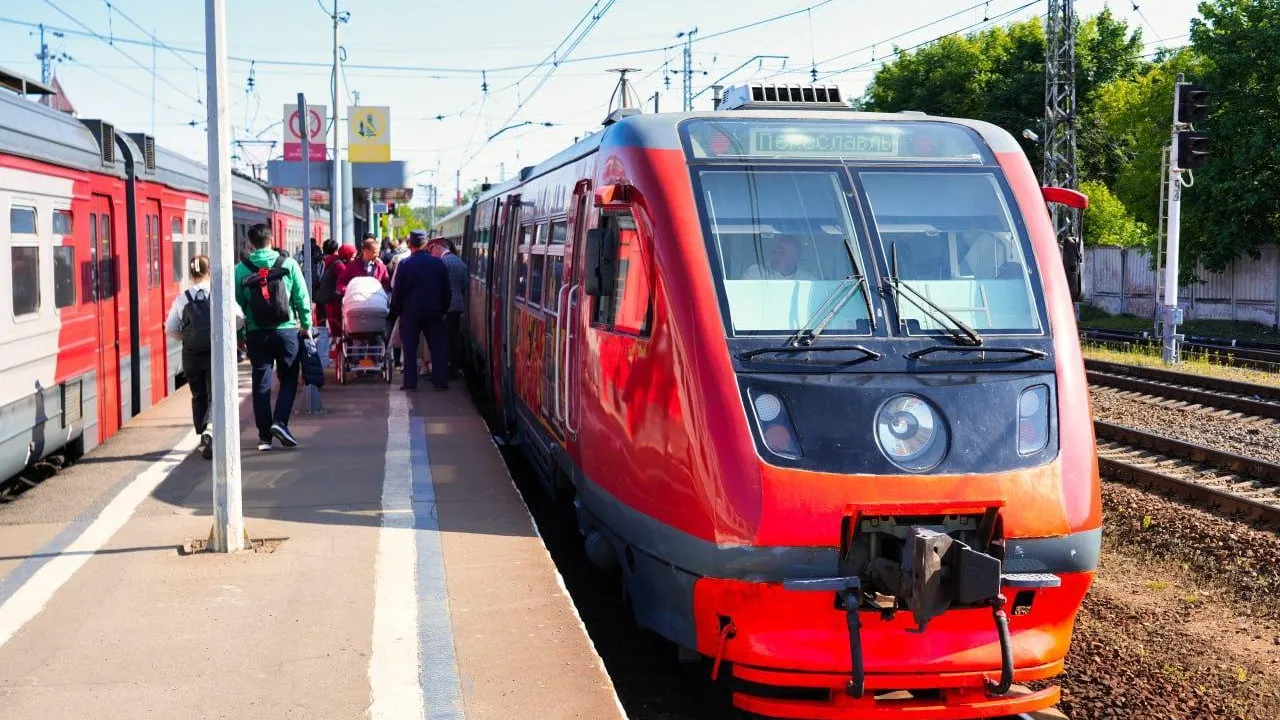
(911, 433)
(1033, 419)
(776, 428)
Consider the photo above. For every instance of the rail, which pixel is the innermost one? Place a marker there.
(1243, 354)
(1221, 480)
(1248, 398)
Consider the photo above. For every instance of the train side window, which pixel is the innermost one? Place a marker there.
(157, 273)
(191, 226)
(25, 262)
(64, 276)
(522, 277)
(22, 221)
(61, 222)
(537, 264)
(626, 306)
(176, 266)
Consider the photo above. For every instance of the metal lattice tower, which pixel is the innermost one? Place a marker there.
(1060, 130)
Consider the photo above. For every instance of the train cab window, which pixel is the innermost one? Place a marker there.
(22, 221)
(64, 276)
(61, 222)
(955, 241)
(786, 243)
(628, 305)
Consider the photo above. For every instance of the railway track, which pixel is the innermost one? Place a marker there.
(1262, 356)
(1221, 480)
(1229, 395)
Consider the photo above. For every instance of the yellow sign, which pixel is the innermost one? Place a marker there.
(369, 134)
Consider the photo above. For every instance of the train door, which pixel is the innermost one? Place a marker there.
(103, 277)
(503, 268)
(153, 321)
(564, 380)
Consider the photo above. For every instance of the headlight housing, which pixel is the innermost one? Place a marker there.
(911, 433)
(776, 428)
(1033, 419)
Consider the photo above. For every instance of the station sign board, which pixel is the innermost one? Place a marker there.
(369, 134)
(293, 129)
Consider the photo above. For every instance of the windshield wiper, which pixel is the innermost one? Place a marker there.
(959, 330)
(867, 353)
(1025, 353)
(809, 333)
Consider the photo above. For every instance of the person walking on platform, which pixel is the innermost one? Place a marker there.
(366, 264)
(420, 298)
(458, 276)
(191, 321)
(272, 292)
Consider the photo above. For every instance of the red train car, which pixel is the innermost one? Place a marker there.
(96, 228)
(813, 381)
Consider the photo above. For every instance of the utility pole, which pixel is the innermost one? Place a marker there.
(313, 394)
(43, 57)
(458, 184)
(1060, 132)
(688, 67)
(228, 513)
(338, 210)
(1188, 151)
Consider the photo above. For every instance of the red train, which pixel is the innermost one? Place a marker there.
(96, 228)
(813, 381)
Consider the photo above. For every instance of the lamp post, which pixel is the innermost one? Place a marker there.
(517, 125)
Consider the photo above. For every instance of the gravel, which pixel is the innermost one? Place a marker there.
(1253, 438)
(1242, 560)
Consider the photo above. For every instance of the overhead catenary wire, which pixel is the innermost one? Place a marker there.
(154, 39)
(134, 60)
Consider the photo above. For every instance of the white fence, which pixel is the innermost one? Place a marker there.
(1122, 281)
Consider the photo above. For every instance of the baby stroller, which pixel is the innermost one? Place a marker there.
(362, 349)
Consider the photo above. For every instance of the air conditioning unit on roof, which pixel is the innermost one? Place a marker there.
(757, 95)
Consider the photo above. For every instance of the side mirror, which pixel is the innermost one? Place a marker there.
(591, 263)
(1065, 196)
(607, 195)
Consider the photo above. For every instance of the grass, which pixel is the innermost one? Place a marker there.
(1194, 362)
(1095, 318)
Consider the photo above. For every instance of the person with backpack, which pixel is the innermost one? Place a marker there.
(272, 292)
(191, 321)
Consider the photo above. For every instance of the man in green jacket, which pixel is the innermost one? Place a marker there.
(272, 292)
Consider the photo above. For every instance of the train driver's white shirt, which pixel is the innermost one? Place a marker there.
(770, 273)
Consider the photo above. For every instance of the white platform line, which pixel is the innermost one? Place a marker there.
(395, 692)
(28, 600)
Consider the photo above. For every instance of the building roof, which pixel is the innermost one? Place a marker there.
(22, 84)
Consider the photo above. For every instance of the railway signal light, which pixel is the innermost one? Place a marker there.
(1193, 104)
(1193, 150)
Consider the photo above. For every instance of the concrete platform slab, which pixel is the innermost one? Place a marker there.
(141, 631)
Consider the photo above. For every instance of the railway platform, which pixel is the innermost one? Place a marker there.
(396, 574)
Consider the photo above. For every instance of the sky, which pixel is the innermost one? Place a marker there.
(430, 62)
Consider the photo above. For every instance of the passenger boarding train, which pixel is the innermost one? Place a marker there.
(96, 229)
(812, 379)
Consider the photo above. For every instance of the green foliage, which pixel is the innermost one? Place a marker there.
(1236, 200)
(997, 75)
(1108, 222)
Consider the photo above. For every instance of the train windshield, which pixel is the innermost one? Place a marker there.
(950, 236)
(786, 243)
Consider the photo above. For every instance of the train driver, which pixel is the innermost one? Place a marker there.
(783, 261)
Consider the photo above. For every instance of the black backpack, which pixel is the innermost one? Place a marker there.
(268, 296)
(327, 289)
(197, 323)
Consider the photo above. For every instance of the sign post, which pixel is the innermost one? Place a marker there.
(228, 513)
(313, 393)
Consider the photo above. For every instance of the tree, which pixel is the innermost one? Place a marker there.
(1235, 204)
(1107, 222)
(997, 75)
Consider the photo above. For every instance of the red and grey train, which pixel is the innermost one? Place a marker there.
(812, 379)
(96, 229)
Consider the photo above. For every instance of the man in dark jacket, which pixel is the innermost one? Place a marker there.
(420, 298)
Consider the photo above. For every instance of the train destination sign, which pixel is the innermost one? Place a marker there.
(842, 142)
(855, 140)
